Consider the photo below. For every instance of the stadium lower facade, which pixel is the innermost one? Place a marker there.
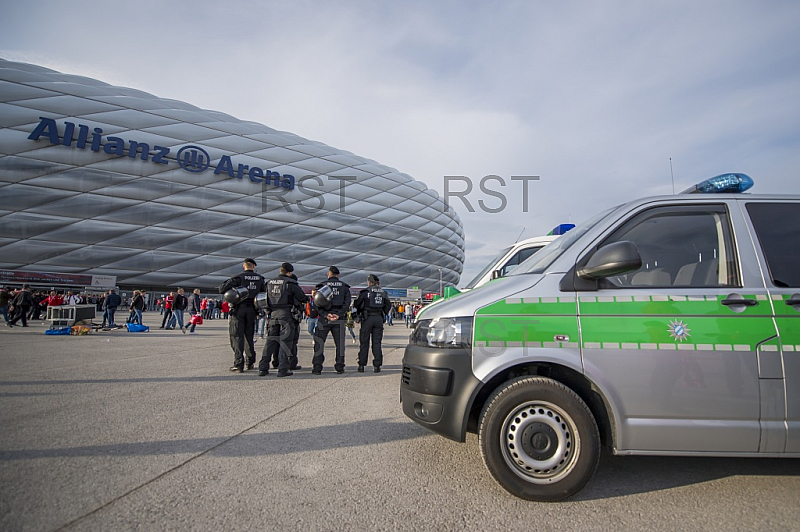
(111, 182)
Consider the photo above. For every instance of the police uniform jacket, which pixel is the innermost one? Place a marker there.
(341, 297)
(283, 294)
(373, 301)
(249, 279)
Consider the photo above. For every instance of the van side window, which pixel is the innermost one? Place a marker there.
(518, 258)
(687, 246)
(777, 226)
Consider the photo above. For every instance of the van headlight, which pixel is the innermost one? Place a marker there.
(443, 332)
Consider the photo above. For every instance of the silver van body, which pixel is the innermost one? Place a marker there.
(695, 351)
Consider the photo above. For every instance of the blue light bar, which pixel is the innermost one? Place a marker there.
(722, 184)
(561, 229)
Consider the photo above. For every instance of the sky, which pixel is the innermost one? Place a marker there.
(603, 102)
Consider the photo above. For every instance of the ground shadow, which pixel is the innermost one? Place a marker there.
(620, 476)
(356, 434)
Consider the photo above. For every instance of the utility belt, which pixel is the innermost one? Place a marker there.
(373, 313)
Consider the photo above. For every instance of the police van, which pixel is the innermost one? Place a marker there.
(508, 259)
(503, 264)
(668, 325)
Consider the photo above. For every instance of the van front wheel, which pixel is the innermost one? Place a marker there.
(538, 439)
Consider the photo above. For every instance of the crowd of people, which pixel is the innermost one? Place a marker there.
(281, 307)
(23, 304)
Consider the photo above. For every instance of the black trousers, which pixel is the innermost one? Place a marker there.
(280, 336)
(293, 360)
(336, 328)
(371, 329)
(241, 328)
(167, 316)
(20, 313)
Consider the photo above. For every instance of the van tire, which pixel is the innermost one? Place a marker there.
(538, 439)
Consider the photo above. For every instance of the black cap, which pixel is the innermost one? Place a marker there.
(372, 278)
(334, 270)
(287, 267)
(251, 261)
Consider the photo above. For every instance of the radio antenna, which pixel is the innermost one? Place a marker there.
(672, 174)
(520, 234)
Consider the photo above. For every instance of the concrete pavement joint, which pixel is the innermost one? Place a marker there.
(210, 449)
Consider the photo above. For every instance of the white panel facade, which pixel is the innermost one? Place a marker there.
(104, 180)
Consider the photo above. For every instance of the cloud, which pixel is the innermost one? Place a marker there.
(593, 98)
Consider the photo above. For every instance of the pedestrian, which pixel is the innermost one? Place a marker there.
(312, 313)
(373, 305)
(179, 305)
(5, 299)
(410, 310)
(389, 314)
(226, 309)
(21, 304)
(194, 308)
(350, 323)
(165, 321)
(261, 323)
(242, 322)
(137, 306)
(331, 319)
(283, 295)
(35, 311)
(110, 304)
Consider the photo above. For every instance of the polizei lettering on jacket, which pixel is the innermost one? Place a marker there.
(191, 158)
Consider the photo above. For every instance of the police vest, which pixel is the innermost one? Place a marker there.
(278, 293)
(376, 299)
(337, 287)
(253, 282)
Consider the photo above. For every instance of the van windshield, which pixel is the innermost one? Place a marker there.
(541, 261)
(488, 267)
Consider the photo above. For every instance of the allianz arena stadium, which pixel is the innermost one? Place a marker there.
(97, 180)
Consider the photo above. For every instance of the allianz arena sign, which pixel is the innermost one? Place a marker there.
(191, 158)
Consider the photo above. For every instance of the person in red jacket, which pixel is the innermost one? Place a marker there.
(53, 300)
(167, 309)
(226, 308)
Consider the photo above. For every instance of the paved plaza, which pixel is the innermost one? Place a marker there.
(150, 431)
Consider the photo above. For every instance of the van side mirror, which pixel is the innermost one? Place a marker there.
(496, 274)
(613, 259)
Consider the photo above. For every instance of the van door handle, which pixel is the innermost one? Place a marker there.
(793, 301)
(745, 302)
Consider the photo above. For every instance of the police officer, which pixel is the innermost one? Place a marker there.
(297, 314)
(298, 311)
(372, 305)
(283, 295)
(331, 320)
(242, 321)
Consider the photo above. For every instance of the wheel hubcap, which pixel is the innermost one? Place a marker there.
(539, 442)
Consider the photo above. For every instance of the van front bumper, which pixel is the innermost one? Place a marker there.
(437, 389)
